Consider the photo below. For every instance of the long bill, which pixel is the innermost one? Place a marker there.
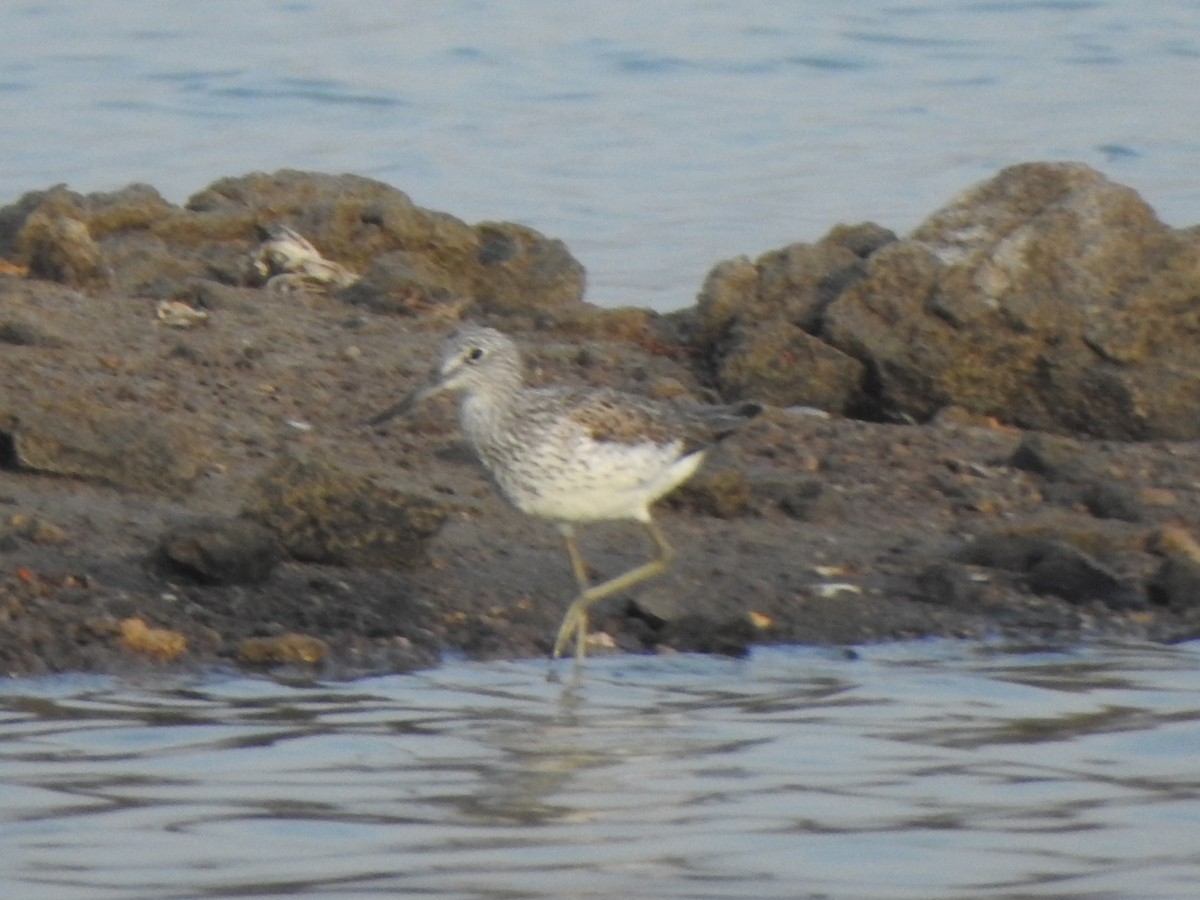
(405, 406)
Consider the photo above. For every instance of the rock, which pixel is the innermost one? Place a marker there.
(222, 551)
(36, 529)
(391, 285)
(214, 296)
(628, 324)
(14, 216)
(1068, 572)
(520, 270)
(130, 209)
(21, 333)
(286, 649)
(1176, 584)
(1113, 500)
(950, 584)
(802, 279)
(721, 492)
(695, 633)
(158, 643)
(1052, 456)
(351, 219)
(760, 323)
(802, 498)
(730, 292)
(60, 248)
(146, 265)
(781, 364)
(1051, 566)
(1075, 477)
(63, 437)
(134, 241)
(1048, 297)
(882, 321)
(1176, 541)
(793, 284)
(62, 234)
(430, 256)
(326, 515)
(673, 615)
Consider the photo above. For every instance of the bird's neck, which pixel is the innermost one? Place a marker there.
(486, 410)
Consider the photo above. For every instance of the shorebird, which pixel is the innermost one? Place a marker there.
(573, 454)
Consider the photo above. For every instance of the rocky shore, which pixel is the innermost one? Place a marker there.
(985, 428)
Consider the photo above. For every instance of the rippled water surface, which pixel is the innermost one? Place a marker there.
(654, 138)
(920, 771)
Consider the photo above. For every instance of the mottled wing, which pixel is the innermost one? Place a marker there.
(614, 417)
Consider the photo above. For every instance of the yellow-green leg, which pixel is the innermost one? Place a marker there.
(575, 622)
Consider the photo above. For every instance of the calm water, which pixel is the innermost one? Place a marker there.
(654, 138)
(933, 770)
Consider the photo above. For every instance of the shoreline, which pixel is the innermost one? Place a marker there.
(194, 490)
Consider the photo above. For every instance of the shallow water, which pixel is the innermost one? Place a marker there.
(928, 770)
(654, 138)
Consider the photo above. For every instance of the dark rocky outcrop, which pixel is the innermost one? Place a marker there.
(1048, 297)
(134, 241)
(760, 322)
(65, 436)
(324, 514)
(222, 551)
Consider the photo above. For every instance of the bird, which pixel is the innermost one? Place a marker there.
(572, 454)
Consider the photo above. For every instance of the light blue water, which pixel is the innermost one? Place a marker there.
(930, 770)
(654, 138)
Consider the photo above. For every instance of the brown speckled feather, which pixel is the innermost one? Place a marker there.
(614, 417)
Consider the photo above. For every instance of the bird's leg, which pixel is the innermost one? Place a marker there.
(577, 564)
(575, 622)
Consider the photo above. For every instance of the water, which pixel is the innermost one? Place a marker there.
(928, 770)
(654, 138)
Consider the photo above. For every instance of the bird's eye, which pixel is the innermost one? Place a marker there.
(475, 354)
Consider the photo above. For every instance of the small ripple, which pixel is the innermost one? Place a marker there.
(314, 94)
(830, 63)
(1118, 152)
(891, 39)
(1010, 6)
(1181, 48)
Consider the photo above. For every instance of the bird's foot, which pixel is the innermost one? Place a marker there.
(574, 626)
